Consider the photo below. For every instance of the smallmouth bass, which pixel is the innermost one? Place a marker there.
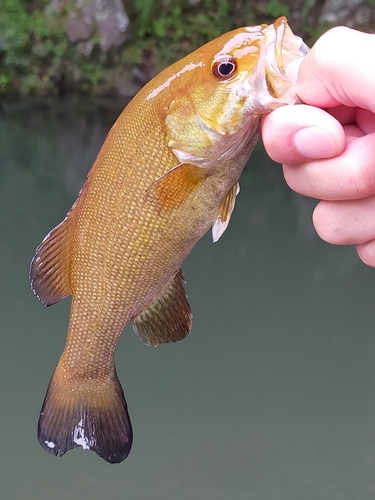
(167, 172)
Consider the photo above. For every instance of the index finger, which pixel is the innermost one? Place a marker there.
(338, 70)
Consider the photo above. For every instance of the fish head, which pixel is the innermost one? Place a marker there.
(246, 72)
(237, 78)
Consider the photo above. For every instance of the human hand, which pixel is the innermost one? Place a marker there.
(328, 147)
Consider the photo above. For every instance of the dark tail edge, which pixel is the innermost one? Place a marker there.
(96, 420)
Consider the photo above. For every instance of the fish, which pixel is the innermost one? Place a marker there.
(167, 172)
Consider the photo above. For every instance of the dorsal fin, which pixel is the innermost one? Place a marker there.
(50, 267)
(168, 318)
(225, 211)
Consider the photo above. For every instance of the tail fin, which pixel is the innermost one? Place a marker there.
(95, 418)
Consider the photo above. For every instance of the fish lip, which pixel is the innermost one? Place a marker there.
(282, 48)
(288, 46)
(280, 26)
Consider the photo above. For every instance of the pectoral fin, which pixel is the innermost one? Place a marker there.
(172, 189)
(225, 212)
(168, 318)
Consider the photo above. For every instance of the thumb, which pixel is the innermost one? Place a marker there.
(339, 69)
(296, 134)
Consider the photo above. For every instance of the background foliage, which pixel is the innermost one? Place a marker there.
(36, 56)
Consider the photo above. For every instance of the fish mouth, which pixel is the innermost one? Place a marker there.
(284, 52)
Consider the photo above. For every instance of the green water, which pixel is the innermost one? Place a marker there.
(272, 397)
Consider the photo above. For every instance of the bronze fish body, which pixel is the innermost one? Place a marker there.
(167, 172)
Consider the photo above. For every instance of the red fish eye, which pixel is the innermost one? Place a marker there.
(224, 68)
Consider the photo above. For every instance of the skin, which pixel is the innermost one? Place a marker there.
(328, 147)
(165, 175)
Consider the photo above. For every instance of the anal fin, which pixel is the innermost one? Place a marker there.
(168, 318)
(173, 188)
(225, 212)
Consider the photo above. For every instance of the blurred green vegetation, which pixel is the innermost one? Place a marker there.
(31, 51)
(177, 25)
(35, 53)
(36, 56)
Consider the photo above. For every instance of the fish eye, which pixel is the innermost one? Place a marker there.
(224, 67)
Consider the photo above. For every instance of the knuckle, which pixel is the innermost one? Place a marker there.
(359, 177)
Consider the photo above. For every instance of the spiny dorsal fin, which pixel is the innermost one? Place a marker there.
(95, 418)
(172, 188)
(50, 267)
(225, 211)
(168, 318)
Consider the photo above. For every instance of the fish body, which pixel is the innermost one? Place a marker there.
(167, 172)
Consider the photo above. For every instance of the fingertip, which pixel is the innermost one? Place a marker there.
(320, 215)
(366, 252)
(326, 222)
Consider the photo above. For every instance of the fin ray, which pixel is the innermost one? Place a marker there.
(225, 211)
(173, 188)
(96, 420)
(50, 266)
(168, 318)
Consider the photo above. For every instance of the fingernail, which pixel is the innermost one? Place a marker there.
(315, 142)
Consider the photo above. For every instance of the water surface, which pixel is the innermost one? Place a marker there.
(271, 396)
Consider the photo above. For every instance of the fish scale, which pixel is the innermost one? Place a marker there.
(167, 172)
